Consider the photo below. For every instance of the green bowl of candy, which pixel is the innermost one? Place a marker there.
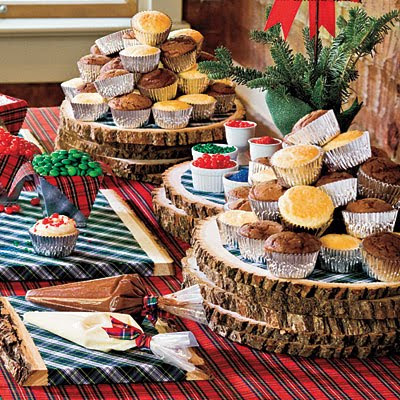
(214, 148)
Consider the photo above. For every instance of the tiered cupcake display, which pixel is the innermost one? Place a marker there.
(140, 101)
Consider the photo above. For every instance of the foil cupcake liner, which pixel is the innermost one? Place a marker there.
(203, 111)
(172, 119)
(130, 42)
(371, 187)
(316, 231)
(180, 63)
(385, 270)
(340, 261)
(70, 92)
(141, 64)
(130, 118)
(160, 94)
(341, 192)
(193, 86)
(152, 39)
(111, 43)
(252, 249)
(265, 210)
(255, 167)
(318, 132)
(349, 155)
(291, 266)
(89, 112)
(54, 246)
(228, 234)
(117, 86)
(362, 225)
(225, 103)
(88, 72)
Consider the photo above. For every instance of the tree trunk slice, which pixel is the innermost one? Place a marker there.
(195, 206)
(101, 133)
(172, 219)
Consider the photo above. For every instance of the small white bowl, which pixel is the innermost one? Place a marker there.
(239, 136)
(233, 154)
(209, 180)
(258, 150)
(229, 185)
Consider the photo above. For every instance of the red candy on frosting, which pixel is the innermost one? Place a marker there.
(239, 124)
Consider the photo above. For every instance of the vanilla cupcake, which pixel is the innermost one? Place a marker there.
(151, 27)
(90, 65)
(195, 35)
(192, 81)
(179, 54)
(172, 114)
(111, 43)
(203, 105)
(297, 165)
(340, 253)
(88, 106)
(70, 87)
(306, 208)
(140, 59)
(54, 236)
(347, 150)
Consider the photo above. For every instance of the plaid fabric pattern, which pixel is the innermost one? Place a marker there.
(150, 309)
(12, 112)
(9, 167)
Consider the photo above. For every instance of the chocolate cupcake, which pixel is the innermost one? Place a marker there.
(179, 54)
(195, 35)
(90, 65)
(159, 85)
(378, 152)
(241, 204)
(94, 49)
(263, 199)
(115, 82)
(225, 95)
(115, 63)
(240, 192)
(86, 88)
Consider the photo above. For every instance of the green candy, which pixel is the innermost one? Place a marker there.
(66, 161)
(54, 172)
(93, 164)
(83, 166)
(64, 173)
(39, 170)
(72, 171)
(58, 164)
(92, 173)
(63, 152)
(99, 171)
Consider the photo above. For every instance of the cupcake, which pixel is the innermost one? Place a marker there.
(141, 58)
(340, 253)
(129, 39)
(241, 204)
(195, 35)
(151, 27)
(378, 152)
(240, 192)
(54, 236)
(318, 127)
(130, 110)
(88, 106)
(380, 177)
(115, 63)
(179, 54)
(291, 255)
(252, 237)
(258, 165)
(160, 85)
(69, 87)
(89, 66)
(111, 43)
(94, 49)
(172, 114)
(368, 216)
(86, 88)
(347, 150)
(225, 95)
(115, 83)
(297, 165)
(263, 199)
(265, 175)
(229, 223)
(381, 256)
(306, 208)
(340, 186)
(192, 81)
(203, 105)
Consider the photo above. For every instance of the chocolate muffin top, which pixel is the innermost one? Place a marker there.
(94, 49)
(130, 101)
(87, 88)
(260, 230)
(178, 46)
(384, 245)
(158, 78)
(94, 59)
(333, 177)
(112, 73)
(263, 161)
(240, 192)
(204, 56)
(382, 169)
(219, 88)
(266, 191)
(115, 63)
(378, 152)
(241, 204)
(368, 206)
(292, 243)
(312, 116)
(129, 35)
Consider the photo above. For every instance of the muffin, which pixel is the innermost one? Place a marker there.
(179, 54)
(140, 59)
(225, 95)
(111, 43)
(86, 88)
(90, 65)
(340, 186)
(297, 165)
(115, 63)
(192, 81)
(347, 150)
(129, 39)
(380, 177)
(195, 35)
(368, 216)
(340, 253)
(114, 82)
(263, 199)
(88, 106)
(203, 105)
(160, 85)
(241, 204)
(291, 255)
(252, 237)
(54, 236)
(70, 87)
(151, 27)
(229, 223)
(378, 152)
(306, 208)
(381, 256)
(237, 193)
(94, 49)
(130, 110)
(172, 114)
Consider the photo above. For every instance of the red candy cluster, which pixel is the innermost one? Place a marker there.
(15, 208)
(239, 124)
(16, 146)
(265, 140)
(53, 220)
(214, 161)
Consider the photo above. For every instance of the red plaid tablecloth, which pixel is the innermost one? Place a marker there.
(239, 372)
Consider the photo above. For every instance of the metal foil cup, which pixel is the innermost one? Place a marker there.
(319, 131)
(89, 112)
(362, 225)
(386, 270)
(70, 92)
(160, 94)
(152, 39)
(88, 72)
(371, 187)
(117, 85)
(130, 118)
(341, 192)
(54, 246)
(265, 210)
(172, 119)
(180, 63)
(130, 42)
(203, 111)
(193, 85)
(349, 155)
(111, 43)
(141, 64)
(291, 266)
(340, 261)
(316, 231)
(225, 103)
(228, 234)
(252, 249)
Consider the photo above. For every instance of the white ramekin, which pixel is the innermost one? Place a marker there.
(232, 154)
(258, 150)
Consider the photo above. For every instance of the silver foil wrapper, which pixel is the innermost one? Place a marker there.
(141, 64)
(340, 261)
(70, 92)
(385, 270)
(111, 43)
(130, 42)
(362, 225)
(265, 210)
(228, 234)
(172, 119)
(130, 118)
(89, 112)
(202, 111)
(341, 192)
(225, 103)
(54, 246)
(252, 249)
(180, 63)
(117, 86)
(88, 72)
(255, 167)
